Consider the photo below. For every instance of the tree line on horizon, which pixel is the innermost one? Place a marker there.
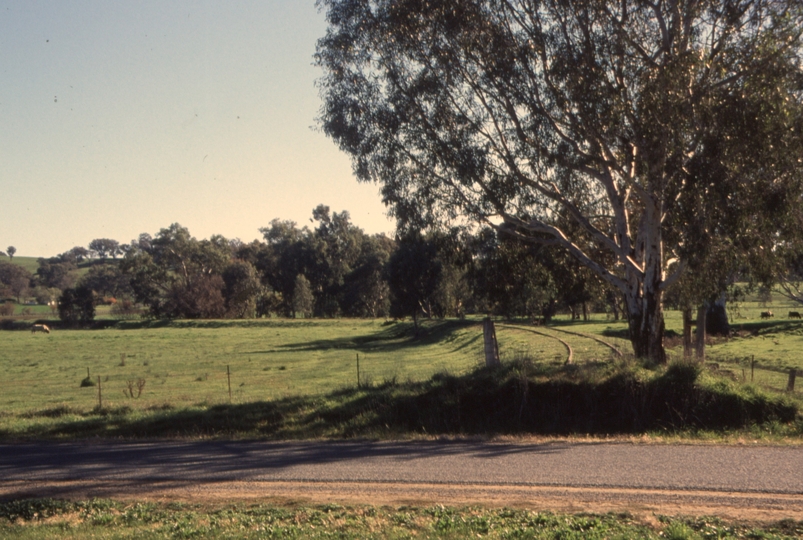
(332, 269)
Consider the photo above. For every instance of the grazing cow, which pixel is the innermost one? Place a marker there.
(794, 314)
(40, 328)
(767, 314)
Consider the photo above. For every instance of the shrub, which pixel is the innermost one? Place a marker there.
(77, 305)
(7, 309)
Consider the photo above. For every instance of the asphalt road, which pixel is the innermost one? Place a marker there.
(741, 478)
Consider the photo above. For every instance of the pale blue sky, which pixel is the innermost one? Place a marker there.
(122, 117)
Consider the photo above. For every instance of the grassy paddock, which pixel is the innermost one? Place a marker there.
(297, 379)
(183, 363)
(49, 518)
(521, 397)
(761, 351)
(771, 346)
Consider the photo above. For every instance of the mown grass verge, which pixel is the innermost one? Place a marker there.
(519, 398)
(50, 518)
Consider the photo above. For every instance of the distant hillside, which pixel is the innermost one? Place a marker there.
(32, 264)
(29, 263)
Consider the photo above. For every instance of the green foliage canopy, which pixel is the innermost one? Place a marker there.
(648, 125)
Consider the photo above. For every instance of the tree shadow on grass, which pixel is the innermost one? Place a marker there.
(216, 323)
(395, 337)
(621, 333)
(764, 327)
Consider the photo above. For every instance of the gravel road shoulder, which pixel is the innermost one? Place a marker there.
(643, 503)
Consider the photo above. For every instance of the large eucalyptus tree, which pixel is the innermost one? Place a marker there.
(633, 117)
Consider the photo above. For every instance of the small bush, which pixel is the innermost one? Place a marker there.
(7, 309)
(134, 388)
(30, 509)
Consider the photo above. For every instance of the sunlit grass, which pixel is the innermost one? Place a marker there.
(300, 369)
(183, 363)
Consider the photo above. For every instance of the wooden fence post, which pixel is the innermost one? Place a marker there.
(358, 370)
(100, 396)
(790, 386)
(228, 376)
(491, 345)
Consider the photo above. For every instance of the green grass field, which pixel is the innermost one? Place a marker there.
(775, 345)
(298, 379)
(184, 363)
(300, 372)
(188, 364)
